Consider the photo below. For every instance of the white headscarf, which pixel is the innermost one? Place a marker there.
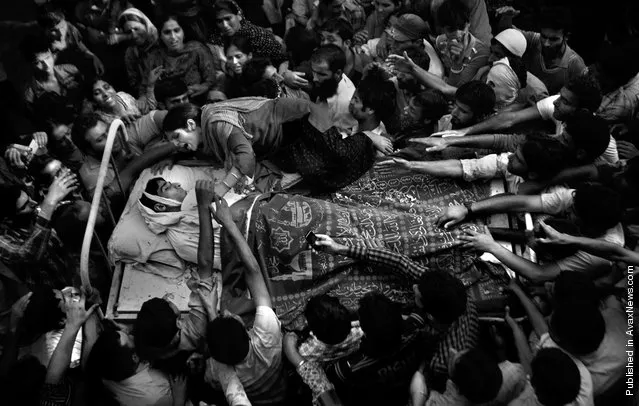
(503, 79)
(141, 18)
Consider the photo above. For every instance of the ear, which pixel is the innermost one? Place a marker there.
(348, 43)
(159, 207)
(178, 323)
(191, 125)
(249, 56)
(338, 74)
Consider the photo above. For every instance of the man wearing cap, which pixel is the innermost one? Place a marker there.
(407, 31)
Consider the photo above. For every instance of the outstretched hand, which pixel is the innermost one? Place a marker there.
(77, 314)
(553, 237)
(433, 144)
(402, 63)
(402, 163)
(327, 244)
(450, 133)
(478, 241)
(451, 216)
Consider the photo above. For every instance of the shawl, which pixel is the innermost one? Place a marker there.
(230, 112)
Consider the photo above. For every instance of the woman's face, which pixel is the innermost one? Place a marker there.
(104, 94)
(384, 7)
(137, 31)
(235, 59)
(188, 138)
(228, 24)
(172, 35)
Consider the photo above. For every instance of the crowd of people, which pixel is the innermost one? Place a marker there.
(543, 94)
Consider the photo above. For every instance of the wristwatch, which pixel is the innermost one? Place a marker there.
(469, 208)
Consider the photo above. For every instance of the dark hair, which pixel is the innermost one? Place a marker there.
(575, 287)
(577, 327)
(631, 172)
(598, 207)
(618, 62)
(254, 69)
(11, 194)
(328, 319)
(453, 14)
(228, 340)
(378, 93)
(478, 96)
(225, 5)
(240, 42)
(339, 26)
(443, 296)
(589, 133)
(88, 85)
(433, 103)
(166, 89)
(23, 383)
(109, 359)
(381, 321)
(517, 65)
(333, 55)
(81, 126)
(555, 377)
(155, 327)
(555, 18)
(477, 376)
(300, 43)
(544, 155)
(43, 313)
(587, 90)
(177, 117)
(34, 44)
(153, 186)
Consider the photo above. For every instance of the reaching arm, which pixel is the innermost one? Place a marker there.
(521, 343)
(450, 168)
(253, 274)
(76, 315)
(534, 315)
(205, 247)
(503, 121)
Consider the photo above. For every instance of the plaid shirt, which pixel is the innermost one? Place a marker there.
(314, 349)
(461, 335)
(35, 254)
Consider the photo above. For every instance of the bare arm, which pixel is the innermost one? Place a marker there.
(503, 121)
(253, 274)
(534, 315)
(450, 168)
(521, 343)
(205, 247)
(568, 175)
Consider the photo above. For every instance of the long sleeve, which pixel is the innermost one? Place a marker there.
(315, 377)
(242, 149)
(31, 250)
(388, 259)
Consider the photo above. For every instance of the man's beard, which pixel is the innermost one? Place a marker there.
(325, 90)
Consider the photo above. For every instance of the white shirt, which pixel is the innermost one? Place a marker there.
(546, 108)
(338, 106)
(149, 387)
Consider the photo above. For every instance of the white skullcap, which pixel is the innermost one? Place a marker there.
(513, 40)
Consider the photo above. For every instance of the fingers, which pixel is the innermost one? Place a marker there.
(91, 310)
(450, 224)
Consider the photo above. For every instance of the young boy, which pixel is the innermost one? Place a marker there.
(340, 32)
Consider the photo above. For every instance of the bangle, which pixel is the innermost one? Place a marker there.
(302, 362)
(226, 184)
(234, 175)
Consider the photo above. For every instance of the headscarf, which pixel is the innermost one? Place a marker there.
(216, 38)
(133, 14)
(504, 82)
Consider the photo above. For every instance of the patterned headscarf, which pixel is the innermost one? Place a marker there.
(133, 14)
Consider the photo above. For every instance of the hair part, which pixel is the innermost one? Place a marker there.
(555, 377)
(378, 94)
(453, 14)
(228, 340)
(443, 296)
(477, 376)
(587, 90)
(178, 116)
(155, 327)
(328, 319)
(577, 327)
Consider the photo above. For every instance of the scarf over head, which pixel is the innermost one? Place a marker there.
(503, 79)
(133, 14)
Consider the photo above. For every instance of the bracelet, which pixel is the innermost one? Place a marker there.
(234, 175)
(226, 184)
(302, 362)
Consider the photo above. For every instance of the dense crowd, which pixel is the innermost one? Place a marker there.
(306, 96)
